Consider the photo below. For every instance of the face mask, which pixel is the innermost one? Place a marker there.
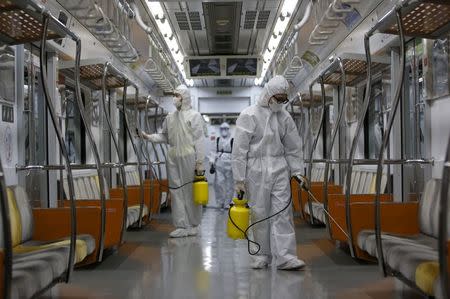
(224, 133)
(275, 107)
(177, 102)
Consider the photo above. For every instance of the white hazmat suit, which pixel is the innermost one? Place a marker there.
(183, 130)
(266, 153)
(223, 183)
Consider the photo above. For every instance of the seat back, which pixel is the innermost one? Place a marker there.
(132, 176)
(429, 208)
(20, 214)
(364, 180)
(86, 185)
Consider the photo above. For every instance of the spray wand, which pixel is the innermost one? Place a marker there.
(304, 184)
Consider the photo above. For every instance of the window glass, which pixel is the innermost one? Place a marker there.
(75, 131)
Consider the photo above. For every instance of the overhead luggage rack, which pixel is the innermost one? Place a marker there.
(142, 104)
(91, 74)
(21, 22)
(355, 67)
(304, 100)
(423, 18)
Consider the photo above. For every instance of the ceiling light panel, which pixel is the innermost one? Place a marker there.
(280, 27)
(166, 31)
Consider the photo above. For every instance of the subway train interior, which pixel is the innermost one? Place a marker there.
(131, 130)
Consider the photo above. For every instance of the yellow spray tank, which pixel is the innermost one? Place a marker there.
(200, 190)
(238, 218)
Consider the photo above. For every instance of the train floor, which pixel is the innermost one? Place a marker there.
(151, 265)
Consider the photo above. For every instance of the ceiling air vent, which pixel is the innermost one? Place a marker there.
(182, 20)
(222, 83)
(194, 17)
(250, 18)
(263, 17)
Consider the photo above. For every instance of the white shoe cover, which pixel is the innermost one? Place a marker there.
(259, 262)
(294, 264)
(193, 231)
(179, 233)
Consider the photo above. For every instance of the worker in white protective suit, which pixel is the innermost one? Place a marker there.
(266, 153)
(221, 162)
(183, 130)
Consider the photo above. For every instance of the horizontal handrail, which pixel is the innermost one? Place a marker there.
(373, 161)
(62, 167)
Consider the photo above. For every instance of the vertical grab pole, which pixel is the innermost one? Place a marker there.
(316, 139)
(145, 154)
(7, 241)
(396, 101)
(333, 138)
(118, 151)
(62, 145)
(153, 145)
(136, 151)
(443, 228)
(163, 146)
(94, 148)
(152, 175)
(348, 178)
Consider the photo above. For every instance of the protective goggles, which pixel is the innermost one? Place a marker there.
(280, 99)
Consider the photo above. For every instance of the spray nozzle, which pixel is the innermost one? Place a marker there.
(240, 195)
(302, 181)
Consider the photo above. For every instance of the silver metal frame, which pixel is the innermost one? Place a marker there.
(135, 149)
(7, 241)
(374, 162)
(46, 18)
(340, 64)
(443, 228)
(316, 138)
(351, 160)
(145, 152)
(394, 107)
(162, 146)
(95, 152)
(335, 63)
(108, 66)
(153, 145)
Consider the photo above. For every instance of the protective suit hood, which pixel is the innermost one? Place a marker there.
(183, 90)
(276, 85)
(225, 125)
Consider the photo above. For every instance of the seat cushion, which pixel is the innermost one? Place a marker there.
(318, 211)
(403, 254)
(133, 214)
(85, 246)
(35, 271)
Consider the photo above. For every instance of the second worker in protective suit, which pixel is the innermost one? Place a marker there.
(223, 183)
(266, 153)
(183, 130)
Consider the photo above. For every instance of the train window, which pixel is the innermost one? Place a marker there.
(7, 74)
(413, 119)
(440, 67)
(328, 126)
(34, 127)
(123, 139)
(75, 136)
(377, 114)
(34, 110)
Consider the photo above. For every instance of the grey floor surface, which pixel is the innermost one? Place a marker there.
(150, 265)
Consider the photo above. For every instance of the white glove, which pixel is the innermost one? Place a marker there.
(145, 135)
(199, 168)
(302, 180)
(239, 187)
